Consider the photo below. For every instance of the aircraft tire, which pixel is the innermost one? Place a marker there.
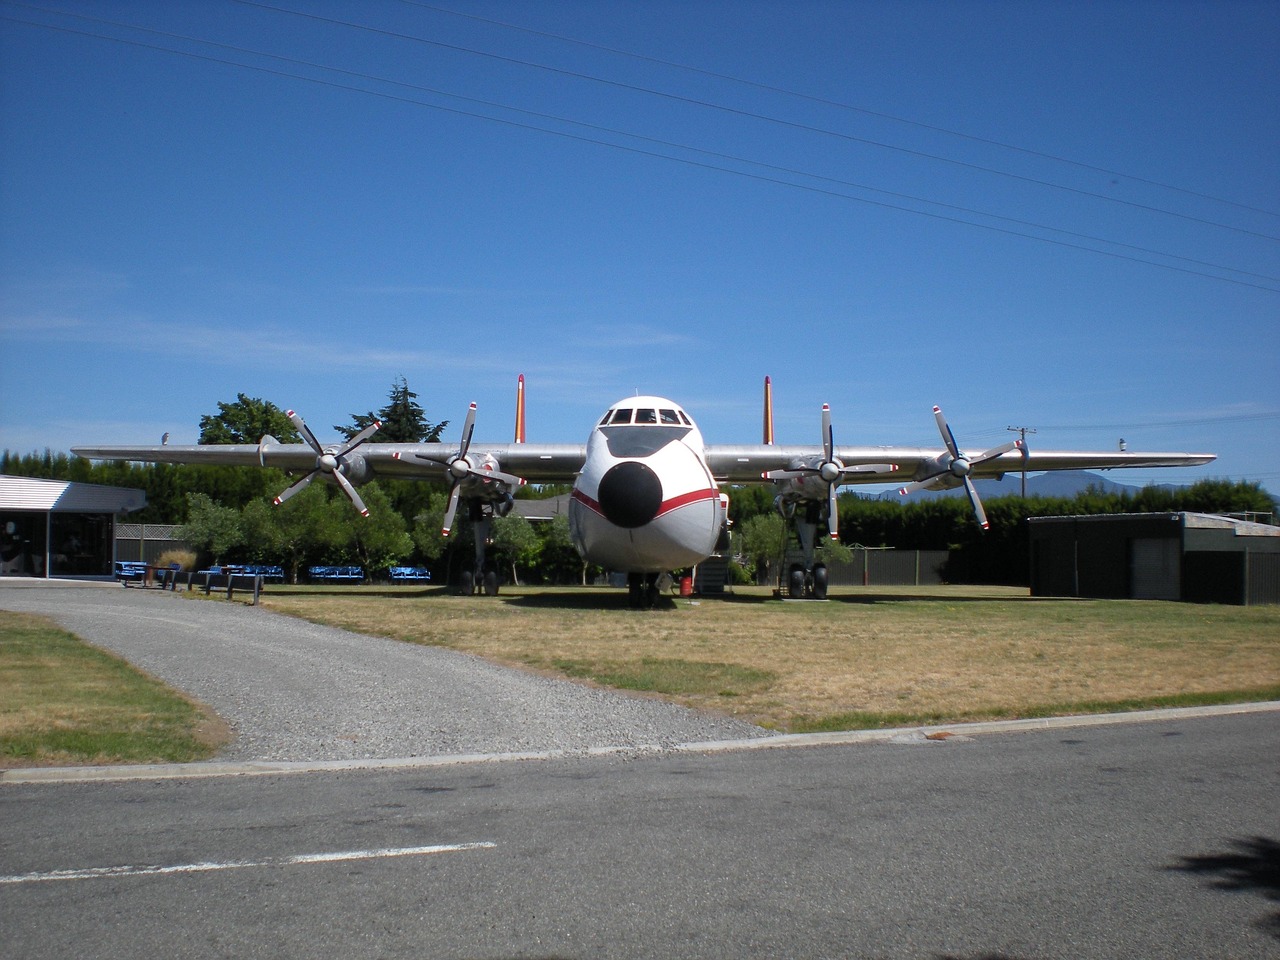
(820, 582)
(795, 581)
(491, 584)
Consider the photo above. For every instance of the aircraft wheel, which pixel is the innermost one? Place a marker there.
(468, 584)
(491, 584)
(820, 582)
(795, 581)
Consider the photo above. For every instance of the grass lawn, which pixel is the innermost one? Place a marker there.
(63, 701)
(868, 657)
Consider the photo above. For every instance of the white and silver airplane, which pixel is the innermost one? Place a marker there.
(647, 497)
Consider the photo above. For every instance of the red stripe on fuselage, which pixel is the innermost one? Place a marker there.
(675, 503)
(693, 496)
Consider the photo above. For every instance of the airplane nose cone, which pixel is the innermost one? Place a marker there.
(630, 494)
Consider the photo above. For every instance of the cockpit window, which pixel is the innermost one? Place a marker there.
(605, 418)
(669, 416)
(622, 415)
(646, 416)
(687, 421)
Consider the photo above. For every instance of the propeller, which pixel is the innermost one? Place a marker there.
(954, 464)
(329, 461)
(460, 467)
(831, 470)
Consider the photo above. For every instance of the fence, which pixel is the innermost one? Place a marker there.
(147, 541)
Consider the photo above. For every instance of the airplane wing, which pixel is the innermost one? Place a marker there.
(749, 463)
(536, 463)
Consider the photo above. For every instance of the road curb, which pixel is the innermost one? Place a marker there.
(934, 735)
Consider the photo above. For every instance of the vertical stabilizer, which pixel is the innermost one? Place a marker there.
(520, 409)
(768, 411)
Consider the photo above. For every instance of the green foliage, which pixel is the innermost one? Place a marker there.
(247, 420)
(427, 536)
(379, 540)
(515, 543)
(211, 527)
(759, 539)
(403, 420)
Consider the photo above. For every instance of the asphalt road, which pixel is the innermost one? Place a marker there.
(1146, 840)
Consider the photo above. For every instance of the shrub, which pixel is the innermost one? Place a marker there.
(185, 559)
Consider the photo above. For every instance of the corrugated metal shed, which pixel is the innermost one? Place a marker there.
(57, 496)
(1156, 556)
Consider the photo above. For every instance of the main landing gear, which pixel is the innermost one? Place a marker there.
(642, 590)
(481, 578)
(805, 579)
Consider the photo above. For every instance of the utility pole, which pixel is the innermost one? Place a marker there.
(1022, 432)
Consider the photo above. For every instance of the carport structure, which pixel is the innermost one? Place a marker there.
(54, 528)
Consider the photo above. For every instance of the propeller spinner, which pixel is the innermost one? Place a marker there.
(331, 461)
(954, 464)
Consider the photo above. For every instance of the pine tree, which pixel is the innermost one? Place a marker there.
(402, 419)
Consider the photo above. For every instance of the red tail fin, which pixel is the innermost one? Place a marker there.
(768, 411)
(520, 409)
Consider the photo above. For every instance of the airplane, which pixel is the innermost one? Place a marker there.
(647, 494)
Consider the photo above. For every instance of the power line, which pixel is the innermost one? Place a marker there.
(685, 147)
(693, 101)
(642, 152)
(840, 105)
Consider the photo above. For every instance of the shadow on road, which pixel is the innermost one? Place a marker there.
(1252, 866)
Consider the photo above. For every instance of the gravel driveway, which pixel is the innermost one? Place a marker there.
(293, 690)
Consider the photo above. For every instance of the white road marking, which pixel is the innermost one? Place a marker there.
(90, 873)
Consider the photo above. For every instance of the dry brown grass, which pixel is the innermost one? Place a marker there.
(866, 657)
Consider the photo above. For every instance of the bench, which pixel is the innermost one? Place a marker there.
(336, 574)
(409, 575)
(131, 571)
(268, 572)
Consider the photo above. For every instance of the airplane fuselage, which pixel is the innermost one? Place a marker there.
(645, 500)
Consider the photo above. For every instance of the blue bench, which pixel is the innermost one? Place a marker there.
(268, 572)
(131, 571)
(409, 575)
(336, 574)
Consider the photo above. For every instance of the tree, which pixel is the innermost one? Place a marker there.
(307, 529)
(379, 540)
(402, 419)
(247, 420)
(211, 527)
(759, 539)
(515, 541)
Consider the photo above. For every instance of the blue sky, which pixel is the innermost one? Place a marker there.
(1058, 215)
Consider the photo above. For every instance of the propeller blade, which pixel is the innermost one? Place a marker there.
(948, 438)
(450, 511)
(296, 487)
(833, 514)
(350, 491)
(484, 473)
(786, 474)
(928, 483)
(360, 438)
(468, 428)
(981, 514)
(995, 452)
(828, 437)
(301, 426)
